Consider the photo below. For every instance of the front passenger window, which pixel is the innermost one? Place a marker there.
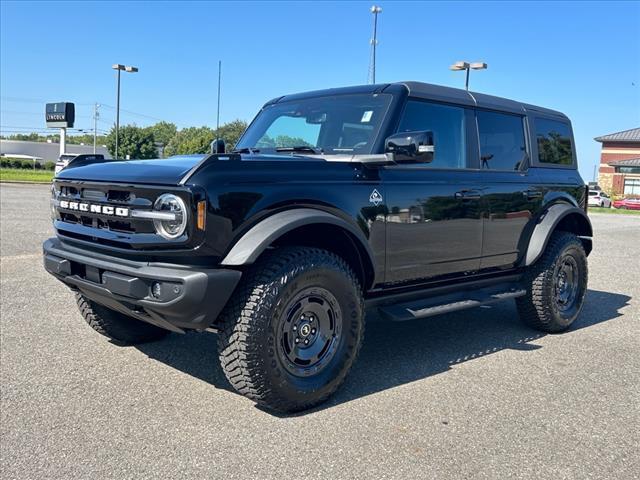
(448, 127)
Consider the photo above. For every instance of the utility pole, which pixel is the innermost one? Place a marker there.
(219, 79)
(95, 126)
(374, 41)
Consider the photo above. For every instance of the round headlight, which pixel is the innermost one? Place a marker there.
(176, 223)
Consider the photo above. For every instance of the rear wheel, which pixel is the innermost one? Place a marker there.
(293, 330)
(556, 285)
(117, 326)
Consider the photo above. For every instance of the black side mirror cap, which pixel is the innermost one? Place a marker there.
(411, 146)
(218, 146)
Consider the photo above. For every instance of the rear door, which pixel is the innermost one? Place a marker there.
(511, 191)
(434, 218)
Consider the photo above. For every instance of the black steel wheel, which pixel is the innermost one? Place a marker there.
(565, 283)
(293, 328)
(557, 284)
(310, 334)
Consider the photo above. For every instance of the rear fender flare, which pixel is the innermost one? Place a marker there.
(548, 223)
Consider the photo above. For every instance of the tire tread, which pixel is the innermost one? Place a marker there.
(243, 321)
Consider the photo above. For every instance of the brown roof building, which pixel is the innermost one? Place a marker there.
(619, 172)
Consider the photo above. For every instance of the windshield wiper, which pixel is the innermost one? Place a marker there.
(246, 150)
(300, 148)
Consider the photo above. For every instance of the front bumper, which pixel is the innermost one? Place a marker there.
(187, 297)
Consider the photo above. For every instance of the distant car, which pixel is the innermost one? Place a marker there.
(627, 204)
(597, 198)
(67, 158)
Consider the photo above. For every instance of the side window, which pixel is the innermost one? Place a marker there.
(502, 145)
(554, 142)
(448, 126)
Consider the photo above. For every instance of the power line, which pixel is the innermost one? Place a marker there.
(39, 114)
(40, 101)
(134, 113)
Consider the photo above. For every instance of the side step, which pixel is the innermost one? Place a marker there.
(451, 302)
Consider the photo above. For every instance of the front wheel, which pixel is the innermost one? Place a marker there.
(293, 330)
(556, 285)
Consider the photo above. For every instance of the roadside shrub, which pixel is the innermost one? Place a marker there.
(23, 163)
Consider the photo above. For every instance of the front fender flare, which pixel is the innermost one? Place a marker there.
(549, 221)
(255, 241)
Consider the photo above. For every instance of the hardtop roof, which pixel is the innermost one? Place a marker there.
(431, 92)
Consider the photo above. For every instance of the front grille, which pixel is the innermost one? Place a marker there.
(110, 229)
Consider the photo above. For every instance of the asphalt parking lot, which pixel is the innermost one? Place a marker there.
(467, 395)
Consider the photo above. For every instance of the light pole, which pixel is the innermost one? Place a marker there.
(468, 66)
(374, 41)
(119, 68)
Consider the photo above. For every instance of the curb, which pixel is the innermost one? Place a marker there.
(25, 182)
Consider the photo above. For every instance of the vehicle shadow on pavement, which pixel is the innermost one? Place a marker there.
(394, 354)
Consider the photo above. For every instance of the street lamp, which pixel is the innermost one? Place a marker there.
(375, 10)
(119, 68)
(468, 66)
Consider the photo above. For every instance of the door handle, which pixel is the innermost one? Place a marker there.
(467, 195)
(531, 194)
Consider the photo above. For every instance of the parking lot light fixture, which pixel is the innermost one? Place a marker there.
(467, 67)
(119, 67)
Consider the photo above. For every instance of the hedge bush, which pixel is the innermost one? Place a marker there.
(21, 163)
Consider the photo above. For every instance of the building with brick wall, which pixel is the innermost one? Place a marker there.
(619, 172)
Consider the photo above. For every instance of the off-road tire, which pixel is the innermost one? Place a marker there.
(249, 343)
(539, 308)
(118, 327)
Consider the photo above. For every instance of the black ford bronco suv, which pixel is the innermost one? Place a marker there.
(408, 199)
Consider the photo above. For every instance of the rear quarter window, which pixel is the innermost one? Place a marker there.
(555, 145)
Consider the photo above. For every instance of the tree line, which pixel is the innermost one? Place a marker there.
(144, 142)
(148, 142)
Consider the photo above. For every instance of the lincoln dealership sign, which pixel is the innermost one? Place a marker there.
(61, 114)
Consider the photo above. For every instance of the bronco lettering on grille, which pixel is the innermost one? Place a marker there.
(92, 208)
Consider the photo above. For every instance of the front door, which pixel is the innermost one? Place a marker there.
(434, 210)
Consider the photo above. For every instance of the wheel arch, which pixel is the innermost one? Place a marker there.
(306, 227)
(560, 216)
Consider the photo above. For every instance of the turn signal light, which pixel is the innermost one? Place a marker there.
(202, 206)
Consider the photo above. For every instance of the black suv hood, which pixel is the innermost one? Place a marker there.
(167, 171)
(160, 171)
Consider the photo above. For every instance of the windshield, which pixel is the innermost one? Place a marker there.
(340, 124)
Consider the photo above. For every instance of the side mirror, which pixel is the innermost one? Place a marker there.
(218, 146)
(411, 146)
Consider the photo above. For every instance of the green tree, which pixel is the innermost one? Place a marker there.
(163, 132)
(231, 133)
(198, 139)
(190, 140)
(136, 142)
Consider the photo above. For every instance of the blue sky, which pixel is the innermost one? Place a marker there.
(580, 58)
